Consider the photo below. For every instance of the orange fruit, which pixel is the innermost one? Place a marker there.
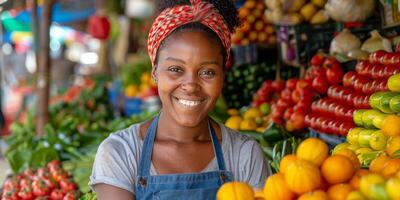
(351, 155)
(391, 126)
(355, 180)
(339, 191)
(259, 195)
(314, 195)
(378, 163)
(286, 161)
(313, 150)
(276, 188)
(391, 168)
(235, 190)
(337, 169)
(302, 176)
(393, 145)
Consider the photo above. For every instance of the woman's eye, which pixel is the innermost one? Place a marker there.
(207, 73)
(174, 69)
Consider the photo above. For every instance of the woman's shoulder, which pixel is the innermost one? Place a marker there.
(234, 136)
(122, 139)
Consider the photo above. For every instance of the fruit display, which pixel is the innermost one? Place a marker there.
(269, 92)
(252, 119)
(47, 182)
(312, 173)
(296, 11)
(146, 88)
(255, 28)
(246, 79)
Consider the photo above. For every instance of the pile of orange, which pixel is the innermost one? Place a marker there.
(312, 174)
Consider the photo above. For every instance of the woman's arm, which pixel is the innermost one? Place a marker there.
(106, 192)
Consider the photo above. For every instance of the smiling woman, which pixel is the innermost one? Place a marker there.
(182, 153)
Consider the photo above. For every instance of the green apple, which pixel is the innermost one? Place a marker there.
(368, 116)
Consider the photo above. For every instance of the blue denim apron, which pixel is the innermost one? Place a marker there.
(179, 186)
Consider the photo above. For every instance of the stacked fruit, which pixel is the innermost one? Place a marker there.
(49, 182)
(255, 27)
(252, 119)
(269, 92)
(145, 88)
(296, 11)
(246, 79)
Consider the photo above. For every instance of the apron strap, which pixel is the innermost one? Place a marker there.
(217, 147)
(147, 149)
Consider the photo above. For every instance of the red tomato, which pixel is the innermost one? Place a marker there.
(57, 194)
(297, 120)
(320, 84)
(40, 188)
(29, 173)
(282, 104)
(10, 193)
(58, 175)
(377, 56)
(317, 59)
(348, 78)
(286, 95)
(291, 83)
(278, 86)
(67, 185)
(334, 75)
(25, 182)
(11, 183)
(303, 84)
(360, 81)
(26, 193)
(296, 96)
(331, 62)
(53, 165)
(43, 172)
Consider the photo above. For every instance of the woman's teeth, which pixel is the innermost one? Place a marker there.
(189, 103)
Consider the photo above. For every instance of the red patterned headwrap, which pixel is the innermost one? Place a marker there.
(172, 18)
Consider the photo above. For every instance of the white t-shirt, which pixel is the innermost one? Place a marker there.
(118, 157)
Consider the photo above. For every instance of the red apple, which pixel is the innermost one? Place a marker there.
(303, 84)
(334, 74)
(320, 84)
(278, 86)
(286, 94)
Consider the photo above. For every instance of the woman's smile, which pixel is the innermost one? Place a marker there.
(190, 104)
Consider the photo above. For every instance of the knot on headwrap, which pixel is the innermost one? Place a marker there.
(172, 18)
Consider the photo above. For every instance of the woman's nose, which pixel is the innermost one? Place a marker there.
(190, 82)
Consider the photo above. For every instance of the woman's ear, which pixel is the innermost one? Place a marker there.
(154, 73)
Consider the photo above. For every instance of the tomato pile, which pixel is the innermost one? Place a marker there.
(49, 182)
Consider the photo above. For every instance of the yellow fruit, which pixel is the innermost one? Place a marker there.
(252, 113)
(234, 191)
(394, 83)
(352, 136)
(393, 188)
(391, 126)
(378, 141)
(276, 188)
(233, 112)
(308, 11)
(248, 125)
(144, 87)
(319, 3)
(314, 195)
(296, 5)
(339, 191)
(337, 169)
(393, 145)
(355, 180)
(131, 91)
(355, 195)
(378, 163)
(286, 162)
(234, 122)
(340, 146)
(313, 150)
(368, 181)
(320, 17)
(302, 176)
(259, 194)
(261, 129)
(145, 78)
(350, 155)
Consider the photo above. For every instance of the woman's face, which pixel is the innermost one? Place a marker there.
(189, 76)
